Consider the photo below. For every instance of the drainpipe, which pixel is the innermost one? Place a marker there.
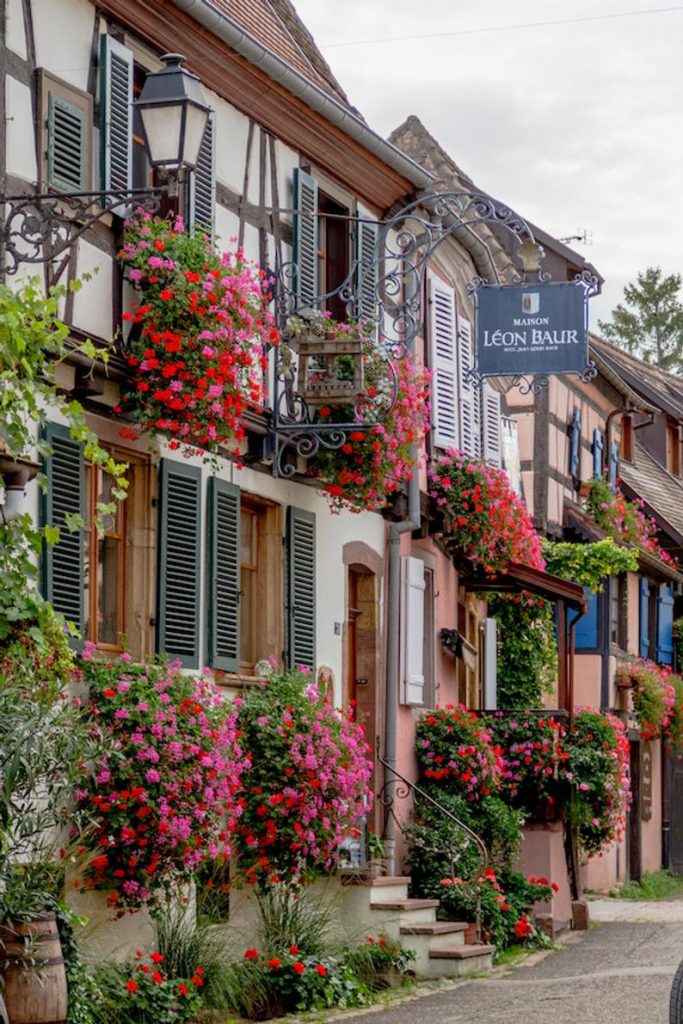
(393, 685)
(570, 680)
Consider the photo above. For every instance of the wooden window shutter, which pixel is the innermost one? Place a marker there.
(665, 622)
(586, 632)
(598, 449)
(223, 584)
(443, 351)
(116, 114)
(575, 446)
(491, 426)
(490, 664)
(306, 238)
(613, 464)
(301, 588)
(366, 270)
(644, 624)
(179, 561)
(67, 148)
(62, 566)
(412, 630)
(470, 393)
(201, 200)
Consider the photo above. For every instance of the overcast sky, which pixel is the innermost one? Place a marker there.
(576, 126)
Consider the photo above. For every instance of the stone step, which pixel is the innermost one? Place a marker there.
(391, 915)
(434, 928)
(444, 962)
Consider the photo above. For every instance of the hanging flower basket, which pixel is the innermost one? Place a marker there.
(330, 362)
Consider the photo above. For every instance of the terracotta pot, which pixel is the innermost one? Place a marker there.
(470, 934)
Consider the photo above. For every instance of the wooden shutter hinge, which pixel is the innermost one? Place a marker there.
(153, 621)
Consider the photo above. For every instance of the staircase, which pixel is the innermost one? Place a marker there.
(382, 905)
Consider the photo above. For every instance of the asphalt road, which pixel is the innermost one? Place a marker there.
(617, 973)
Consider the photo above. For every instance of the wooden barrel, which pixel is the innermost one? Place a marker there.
(32, 969)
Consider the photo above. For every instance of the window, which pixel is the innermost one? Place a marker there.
(104, 572)
(251, 524)
(618, 612)
(333, 253)
(66, 117)
(655, 631)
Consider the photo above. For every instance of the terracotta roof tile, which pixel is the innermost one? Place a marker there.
(277, 26)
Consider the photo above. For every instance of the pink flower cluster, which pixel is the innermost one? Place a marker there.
(165, 795)
(482, 515)
(625, 521)
(454, 745)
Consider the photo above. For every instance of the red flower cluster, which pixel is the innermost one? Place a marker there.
(483, 517)
(153, 995)
(200, 337)
(453, 745)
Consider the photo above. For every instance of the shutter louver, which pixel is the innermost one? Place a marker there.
(412, 629)
(116, 114)
(443, 339)
(179, 562)
(470, 393)
(665, 622)
(575, 446)
(202, 183)
(63, 562)
(301, 588)
(66, 145)
(223, 589)
(366, 282)
(492, 439)
(305, 238)
(644, 624)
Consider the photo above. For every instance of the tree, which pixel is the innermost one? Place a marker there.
(652, 328)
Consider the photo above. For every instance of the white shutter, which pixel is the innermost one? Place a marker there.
(510, 447)
(412, 630)
(470, 393)
(202, 182)
(490, 661)
(443, 346)
(492, 443)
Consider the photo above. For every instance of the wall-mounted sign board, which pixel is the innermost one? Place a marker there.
(531, 329)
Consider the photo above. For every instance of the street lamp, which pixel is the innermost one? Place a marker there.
(173, 114)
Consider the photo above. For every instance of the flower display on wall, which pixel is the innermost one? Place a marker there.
(165, 796)
(657, 695)
(454, 746)
(624, 520)
(201, 332)
(482, 515)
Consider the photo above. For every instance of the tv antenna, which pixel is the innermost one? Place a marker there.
(583, 235)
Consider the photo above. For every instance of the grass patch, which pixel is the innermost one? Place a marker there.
(655, 885)
(512, 955)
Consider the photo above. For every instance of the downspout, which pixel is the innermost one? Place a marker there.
(393, 685)
(571, 838)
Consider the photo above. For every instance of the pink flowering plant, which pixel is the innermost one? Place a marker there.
(198, 348)
(623, 520)
(655, 692)
(534, 760)
(482, 516)
(164, 797)
(309, 782)
(455, 748)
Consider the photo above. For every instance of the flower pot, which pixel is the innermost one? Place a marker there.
(470, 933)
(32, 971)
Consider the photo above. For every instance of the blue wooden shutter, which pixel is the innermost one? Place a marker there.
(598, 449)
(223, 589)
(366, 270)
(116, 114)
(575, 446)
(665, 622)
(63, 563)
(586, 633)
(301, 587)
(202, 182)
(644, 618)
(613, 464)
(67, 145)
(306, 238)
(179, 561)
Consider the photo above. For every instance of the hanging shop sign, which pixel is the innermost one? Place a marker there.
(531, 329)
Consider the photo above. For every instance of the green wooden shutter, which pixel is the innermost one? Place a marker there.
(306, 238)
(366, 270)
(67, 148)
(300, 579)
(179, 561)
(202, 183)
(116, 114)
(62, 567)
(223, 585)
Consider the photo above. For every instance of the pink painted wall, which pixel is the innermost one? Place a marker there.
(542, 855)
(587, 668)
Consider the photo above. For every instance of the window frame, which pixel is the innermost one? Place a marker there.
(92, 564)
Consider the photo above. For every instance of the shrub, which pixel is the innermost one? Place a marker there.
(141, 992)
(164, 796)
(526, 649)
(503, 901)
(598, 766)
(308, 783)
(654, 690)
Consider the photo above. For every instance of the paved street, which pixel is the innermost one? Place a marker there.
(619, 972)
